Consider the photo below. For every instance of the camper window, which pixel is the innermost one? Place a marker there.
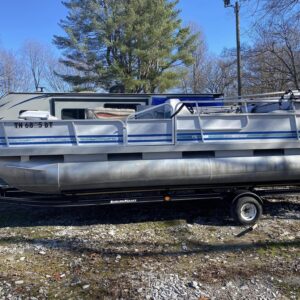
(122, 105)
(71, 113)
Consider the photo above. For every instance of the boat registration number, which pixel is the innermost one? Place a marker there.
(33, 124)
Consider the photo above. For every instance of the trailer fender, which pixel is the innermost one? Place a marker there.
(243, 193)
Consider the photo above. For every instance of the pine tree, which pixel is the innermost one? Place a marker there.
(133, 45)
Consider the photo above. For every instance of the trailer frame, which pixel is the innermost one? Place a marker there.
(236, 198)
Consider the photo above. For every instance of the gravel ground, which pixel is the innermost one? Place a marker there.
(163, 251)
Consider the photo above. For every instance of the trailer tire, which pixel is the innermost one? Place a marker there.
(246, 210)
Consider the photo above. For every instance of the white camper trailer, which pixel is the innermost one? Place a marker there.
(66, 106)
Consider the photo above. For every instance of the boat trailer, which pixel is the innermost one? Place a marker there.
(245, 203)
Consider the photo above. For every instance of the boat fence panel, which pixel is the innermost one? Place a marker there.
(188, 129)
(236, 126)
(64, 133)
(39, 133)
(255, 127)
(187, 123)
(150, 132)
(106, 132)
(230, 122)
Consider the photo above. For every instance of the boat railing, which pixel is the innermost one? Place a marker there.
(200, 110)
(205, 123)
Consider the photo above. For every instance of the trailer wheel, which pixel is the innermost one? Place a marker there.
(246, 210)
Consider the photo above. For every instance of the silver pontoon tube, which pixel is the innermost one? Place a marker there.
(55, 178)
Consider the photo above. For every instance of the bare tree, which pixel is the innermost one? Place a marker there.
(13, 76)
(200, 58)
(275, 57)
(34, 65)
(281, 6)
(54, 82)
(44, 68)
(220, 73)
(272, 62)
(193, 78)
(274, 7)
(35, 56)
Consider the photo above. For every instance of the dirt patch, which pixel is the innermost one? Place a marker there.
(162, 251)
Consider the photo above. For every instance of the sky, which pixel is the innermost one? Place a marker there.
(22, 20)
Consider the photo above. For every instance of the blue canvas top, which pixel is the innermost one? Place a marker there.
(160, 100)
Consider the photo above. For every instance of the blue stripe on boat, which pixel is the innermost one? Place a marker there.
(149, 135)
(249, 138)
(42, 137)
(146, 141)
(181, 137)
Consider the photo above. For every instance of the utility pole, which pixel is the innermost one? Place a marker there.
(238, 42)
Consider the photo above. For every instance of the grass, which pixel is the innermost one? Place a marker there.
(289, 288)
(150, 246)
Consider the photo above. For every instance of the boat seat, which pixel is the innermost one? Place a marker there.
(109, 113)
